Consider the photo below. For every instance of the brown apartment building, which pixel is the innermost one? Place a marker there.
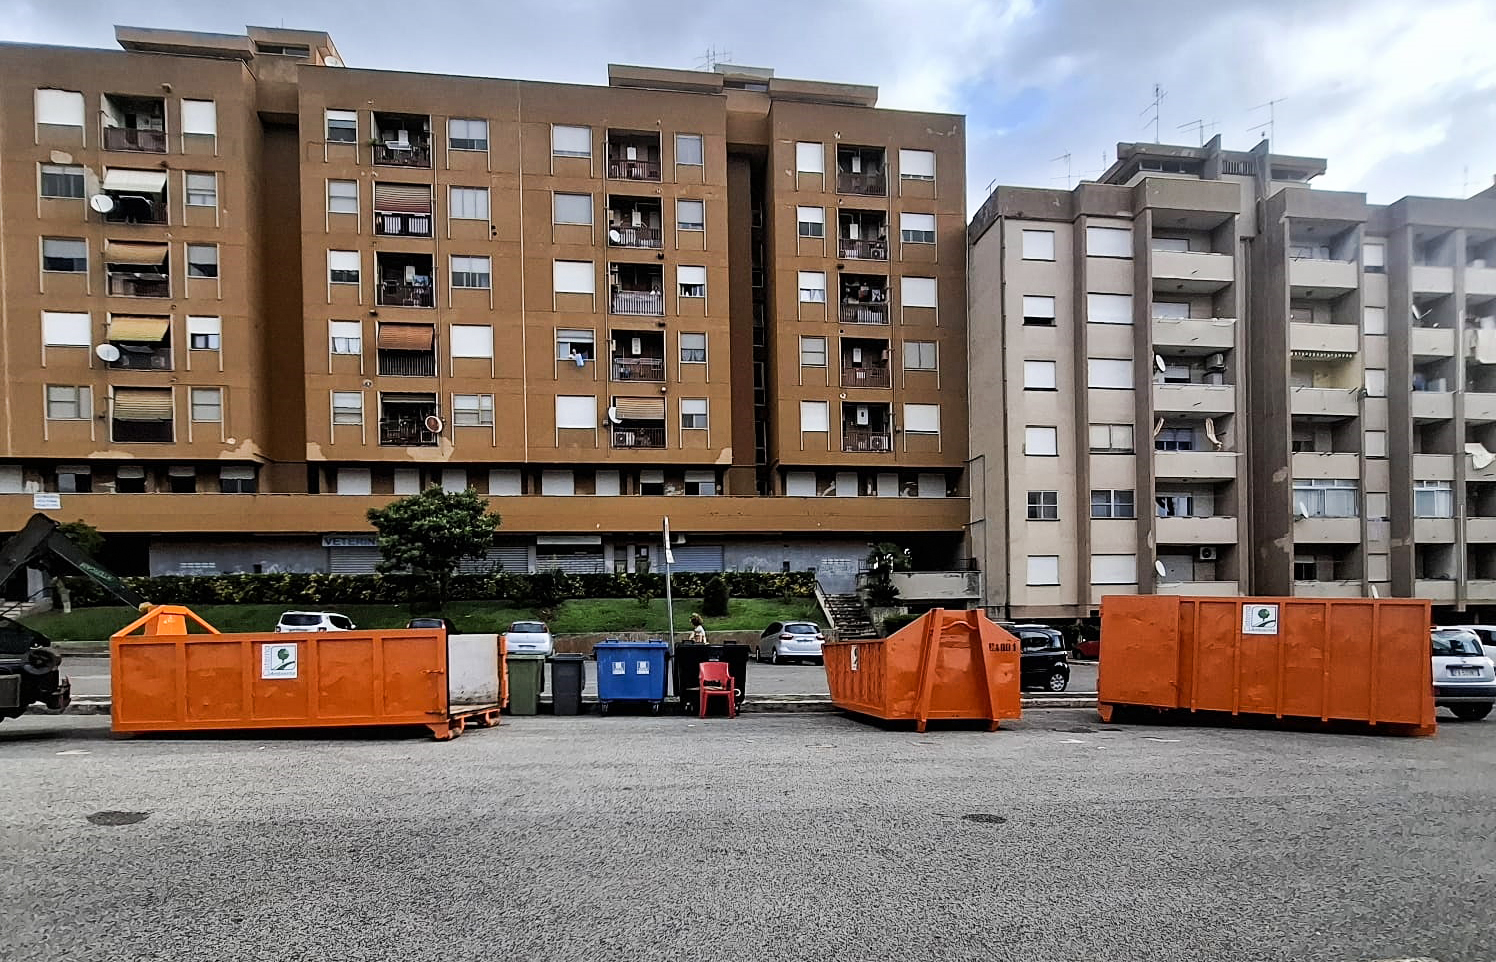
(250, 292)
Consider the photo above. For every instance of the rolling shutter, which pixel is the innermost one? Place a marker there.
(577, 561)
(402, 198)
(514, 559)
(640, 408)
(352, 561)
(142, 404)
(406, 337)
(698, 557)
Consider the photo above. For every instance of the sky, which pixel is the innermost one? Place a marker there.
(1399, 97)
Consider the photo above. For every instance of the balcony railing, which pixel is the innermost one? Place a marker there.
(864, 312)
(634, 237)
(621, 169)
(862, 250)
(860, 439)
(407, 432)
(638, 437)
(397, 155)
(130, 285)
(137, 209)
(874, 184)
(407, 364)
(853, 376)
(638, 302)
(638, 369)
(133, 357)
(399, 294)
(131, 138)
(402, 225)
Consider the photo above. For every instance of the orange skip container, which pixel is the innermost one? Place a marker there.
(954, 665)
(1358, 660)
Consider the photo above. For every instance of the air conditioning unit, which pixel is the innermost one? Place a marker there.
(878, 443)
(1216, 362)
(1207, 553)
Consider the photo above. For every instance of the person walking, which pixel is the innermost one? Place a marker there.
(698, 630)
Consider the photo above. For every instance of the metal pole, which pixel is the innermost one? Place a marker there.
(669, 598)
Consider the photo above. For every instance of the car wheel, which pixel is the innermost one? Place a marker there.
(1471, 712)
(758, 655)
(774, 656)
(1059, 680)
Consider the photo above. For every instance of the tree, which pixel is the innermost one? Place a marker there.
(90, 542)
(882, 561)
(429, 533)
(714, 597)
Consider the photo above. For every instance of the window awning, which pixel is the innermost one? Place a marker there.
(124, 252)
(135, 181)
(406, 337)
(142, 404)
(125, 327)
(402, 198)
(640, 408)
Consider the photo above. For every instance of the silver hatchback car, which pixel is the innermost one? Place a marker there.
(1464, 678)
(785, 640)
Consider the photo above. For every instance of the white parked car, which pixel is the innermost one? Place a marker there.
(314, 621)
(1486, 634)
(1464, 677)
(784, 640)
(529, 638)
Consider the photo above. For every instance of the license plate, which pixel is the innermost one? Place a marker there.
(1463, 672)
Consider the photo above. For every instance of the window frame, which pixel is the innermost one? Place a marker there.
(917, 235)
(1035, 319)
(824, 352)
(800, 277)
(1043, 505)
(922, 408)
(703, 414)
(912, 153)
(1052, 432)
(681, 344)
(216, 335)
(916, 351)
(690, 289)
(333, 338)
(700, 150)
(1426, 491)
(1111, 428)
(691, 225)
(478, 410)
(1096, 232)
(358, 274)
(571, 153)
(80, 400)
(1114, 504)
(345, 408)
(193, 404)
(555, 212)
(339, 182)
(71, 174)
(1028, 573)
(1032, 365)
(342, 117)
(189, 192)
(819, 233)
(590, 340)
(1026, 233)
(457, 275)
(462, 143)
(79, 241)
(455, 210)
(194, 268)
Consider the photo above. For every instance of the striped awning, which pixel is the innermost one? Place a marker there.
(406, 337)
(142, 404)
(145, 330)
(142, 181)
(124, 252)
(402, 198)
(640, 408)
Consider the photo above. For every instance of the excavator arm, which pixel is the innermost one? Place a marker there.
(41, 542)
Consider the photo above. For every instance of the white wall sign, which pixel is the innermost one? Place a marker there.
(1259, 619)
(278, 661)
(46, 501)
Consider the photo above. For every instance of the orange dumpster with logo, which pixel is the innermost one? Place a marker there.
(167, 680)
(1347, 660)
(950, 665)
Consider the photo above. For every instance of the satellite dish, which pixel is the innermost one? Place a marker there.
(107, 353)
(434, 424)
(613, 417)
(1159, 567)
(614, 236)
(102, 203)
(332, 62)
(1158, 362)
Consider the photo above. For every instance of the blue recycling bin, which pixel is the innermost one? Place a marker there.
(631, 671)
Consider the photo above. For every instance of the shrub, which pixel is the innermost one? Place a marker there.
(892, 623)
(714, 598)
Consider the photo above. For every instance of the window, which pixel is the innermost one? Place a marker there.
(472, 340)
(917, 164)
(1167, 505)
(1041, 441)
(921, 419)
(812, 287)
(342, 197)
(1324, 499)
(572, 209)
(1043, 569)
(59, 108)
(237, 481)
(1376, 444)
(1038, 309)
(62, 180)
(576, 411)
(693, 413)
(690, 214)
(1109, 241)
(571, 141)
(811, 221)
(207, 404)
(65, 254)
(202, 260)
(200, 117)
(74, 478)
(202, 190)
(918, 291)
(66, 330)
(1044, 506)
(1112, 504)
(347, 407)
(1171, 310)
(814, 416)
(812, 352)
(69, 404)
(347, 337)
(701, 483)
(1038, 245)
(1179, 245)
(691, 281)
(1111, 439)
(467, 134)
(354, 481)
(472, 273)
(1374, 320)
(688, 150)
(469, 203)
(576, 346)
(1433, 499)
(505, 482)
(574, 277)
(921, 356)
(693, 348)
(1374, 257)
(1174, 439)
(1376, 382)
(1305, 568)
(1038, 375)
(472, 410)
(342, 127)
(1114, 569)
(1109, 308)
(917, 228)
(342, 267)
(204, 333)
(1105, 372)
(810, 158)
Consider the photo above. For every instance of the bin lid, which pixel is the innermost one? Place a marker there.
(524, 656)
(615, 643)
(568, 657)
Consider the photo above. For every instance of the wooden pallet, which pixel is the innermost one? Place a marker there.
(475, 716)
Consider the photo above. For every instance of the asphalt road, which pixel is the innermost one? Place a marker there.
(804, 837)
(90, 678)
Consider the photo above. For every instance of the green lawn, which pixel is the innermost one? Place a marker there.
(583, 615)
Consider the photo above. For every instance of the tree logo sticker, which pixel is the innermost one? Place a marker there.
(1259, 619)
(278, 660)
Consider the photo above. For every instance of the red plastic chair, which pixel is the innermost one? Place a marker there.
(715, 680)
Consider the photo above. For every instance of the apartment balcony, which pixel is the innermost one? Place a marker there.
(395, 154)
(1480, 406)
(138, 208)
(1480, 281)
(1194, 398)
(406, 363)
(638, 369)
(1433, 341)
(925, 586)
(1323, 275)
(1324, 338)
(1437, 590)
(402, 294)
(1209, 589)
(865, 250)
(861, 170)
(1328, 589)
(638, 436)
(650, 238)
(859, 312)
(393, 224)
(1195, 465)
(633, 156)
(136, 139)
(1480, 530)
(402, 140)
(861, 440)
(1432, 405)
(1426, 279)
(1211, 334)
(1432, 467)
(1327, 531)
(863, 376)
(647, 303)
(872, 183)
(1324, 401)
(1321, 466)
(142, 357)
(1481, 589)
(1194, 272)
(1195, 531)
(1434, 530)
(407, 432)
(139, 285)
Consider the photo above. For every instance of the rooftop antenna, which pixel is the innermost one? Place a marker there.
(1069, 179)
(1268, 125)
(1159, 93)
(1200, 127)
(713, 58)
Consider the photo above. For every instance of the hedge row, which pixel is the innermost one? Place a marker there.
(545, 589)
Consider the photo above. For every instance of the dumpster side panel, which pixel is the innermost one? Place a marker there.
(1140, 654)
(345, 671)
(146, 682)
(473, 669)
(220, 666)
(855, 675)
(1216, 640)
(1402, 655)
(1303, 650)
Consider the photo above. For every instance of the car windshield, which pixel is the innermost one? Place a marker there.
(528, 627)
(801, 628)
(1037, 641)
(293, 618)
(1456, 641)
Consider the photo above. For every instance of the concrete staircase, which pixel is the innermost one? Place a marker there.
(850, 618)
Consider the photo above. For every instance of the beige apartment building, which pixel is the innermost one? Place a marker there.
(250, 292)
(1199, 375)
